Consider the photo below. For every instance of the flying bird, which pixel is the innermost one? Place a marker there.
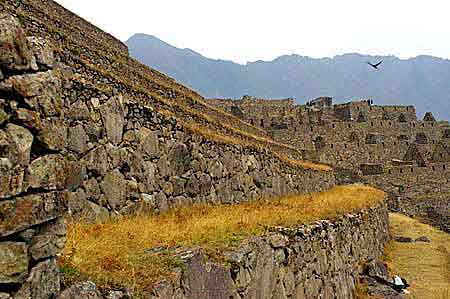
(375, 66)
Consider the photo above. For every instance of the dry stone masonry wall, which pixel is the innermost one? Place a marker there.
(66, 148)
(385, 146)
(102, 64)
(320, 260)
(35, 170)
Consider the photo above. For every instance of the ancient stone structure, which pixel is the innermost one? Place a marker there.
(383, 145)
(131, 155)
(35, 170)
(87, 132)
(69, 148)
(312, 261)
(320, 260)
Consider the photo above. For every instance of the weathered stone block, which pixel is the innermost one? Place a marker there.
(42, 51)
(52, 133)
(97, 161)
(13, 262)
(24, 212)
(42, 91)
(78, 111)
(85, 290)
(113, 116)
(11, 178)
(114, 187)
(208, 281)
(81, 208)
(42, 283)
(77, 139)
(149, 142)
(17, 142)
(179, 159)
(49, 240)
(54, 172)
(15, 52)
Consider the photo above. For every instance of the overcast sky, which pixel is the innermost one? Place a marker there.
(249, 30)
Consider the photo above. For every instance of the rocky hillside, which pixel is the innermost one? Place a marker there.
(421, 81)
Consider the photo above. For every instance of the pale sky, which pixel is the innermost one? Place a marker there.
(249, 30)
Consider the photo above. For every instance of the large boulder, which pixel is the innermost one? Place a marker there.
(77, 139)
(15, 51)
(78, 111)
(207, 280)
(179, 159)
(54, 172)
(97, 161)
(114, 187)
(11, 178)
(42, 91)
(149, 142)
(49, 241)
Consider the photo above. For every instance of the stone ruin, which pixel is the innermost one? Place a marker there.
(35, 170)
(77, 141)
(386, 146)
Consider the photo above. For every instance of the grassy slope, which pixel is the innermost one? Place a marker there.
(113, 253)
(426, 266)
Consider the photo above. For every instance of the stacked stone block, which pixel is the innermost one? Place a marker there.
(34, 168)
(320, 260)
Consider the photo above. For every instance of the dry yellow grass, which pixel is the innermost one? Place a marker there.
(113, 253)
(303, 164)
(426, 266)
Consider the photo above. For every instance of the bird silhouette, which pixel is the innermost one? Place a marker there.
(375, 66)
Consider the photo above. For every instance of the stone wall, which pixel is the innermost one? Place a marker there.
(99, 63)
(67, 147)
(54, 8)
(378, 137)
(151, 162)
(312, 261)
(133, 156)
(35, 171)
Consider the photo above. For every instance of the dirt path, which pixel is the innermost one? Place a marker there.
(426, 266)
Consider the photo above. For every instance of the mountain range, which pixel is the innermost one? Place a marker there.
(423, 81)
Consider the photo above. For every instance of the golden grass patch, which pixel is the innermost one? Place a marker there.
(426, 266)
(302, 163)
(114, 253)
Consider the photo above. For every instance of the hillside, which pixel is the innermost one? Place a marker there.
(421, 81)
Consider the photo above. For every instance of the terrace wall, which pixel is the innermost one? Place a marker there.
(68, 148)
(321, 260)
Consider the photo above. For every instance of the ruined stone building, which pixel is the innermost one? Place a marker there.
(86, 132)
(387, 146)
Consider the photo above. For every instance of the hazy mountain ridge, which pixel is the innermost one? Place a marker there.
(423, 81)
